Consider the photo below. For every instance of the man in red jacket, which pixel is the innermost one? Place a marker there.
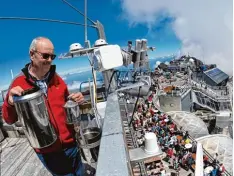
(62, 157)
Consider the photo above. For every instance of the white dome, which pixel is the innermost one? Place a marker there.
(158, 63)
(100, 42)
(190, 122)
(167, 63)
(221, 144)
(75, 46)
(191, 60)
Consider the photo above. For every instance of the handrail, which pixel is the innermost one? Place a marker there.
(215, 100)
(217, 97)
(87, 82)
(213, 88)
(205, 105)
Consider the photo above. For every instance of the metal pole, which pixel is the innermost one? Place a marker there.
(109, 80)
(78, 11)
(108, 73)
(12, 75)
(85, 20)
(100, 30)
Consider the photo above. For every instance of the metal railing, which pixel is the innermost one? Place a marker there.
(113, 147)
(212, 90)
(207, 100)
(134, 142)
(214, 95)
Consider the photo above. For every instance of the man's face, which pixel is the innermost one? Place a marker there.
(43, 55)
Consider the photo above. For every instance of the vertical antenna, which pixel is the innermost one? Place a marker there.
(203, 55)
(85, 19)
(12, 76)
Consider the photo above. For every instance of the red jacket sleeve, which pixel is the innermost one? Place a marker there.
(8, 111)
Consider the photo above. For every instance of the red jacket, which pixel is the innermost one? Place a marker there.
(56, 94)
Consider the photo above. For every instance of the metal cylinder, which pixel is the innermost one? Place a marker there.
(143, 58)
(72, 112)
(32, 110)
(89, 142)
(138, 53)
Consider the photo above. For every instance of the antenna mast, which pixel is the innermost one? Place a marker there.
(78, 11)
(85, 20)
(12, 75)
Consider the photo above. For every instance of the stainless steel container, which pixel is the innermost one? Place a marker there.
(89, 142)
(88, 138)
(32, 110)
(72, 112)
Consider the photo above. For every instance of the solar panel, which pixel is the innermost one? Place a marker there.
(216, 75)
(213, 72)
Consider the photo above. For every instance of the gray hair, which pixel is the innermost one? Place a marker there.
(34, 43)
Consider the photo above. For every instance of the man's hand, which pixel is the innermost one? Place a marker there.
(14, 91)
(77, 97)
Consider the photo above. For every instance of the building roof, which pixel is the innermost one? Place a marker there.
(216, 75)
(190, 122)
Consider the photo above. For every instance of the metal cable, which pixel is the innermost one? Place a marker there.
(78, 11)
(135, 106)
(48, 20)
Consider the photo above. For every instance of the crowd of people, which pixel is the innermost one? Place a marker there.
(179, 148)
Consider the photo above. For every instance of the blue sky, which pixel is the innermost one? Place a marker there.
(16, 36)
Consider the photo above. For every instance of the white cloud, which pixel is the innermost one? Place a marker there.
(75, 70)
(4, 87)
(204, 27)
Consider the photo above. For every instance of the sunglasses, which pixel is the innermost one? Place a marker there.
(46, 55)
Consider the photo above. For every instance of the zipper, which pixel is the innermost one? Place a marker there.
(56, 125)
